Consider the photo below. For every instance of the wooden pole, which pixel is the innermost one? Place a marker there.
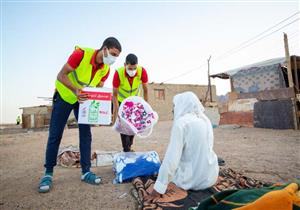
(296, 74)
(288, 61)
(231, 84)
(209, 84)
(297, 90)
(290, 78)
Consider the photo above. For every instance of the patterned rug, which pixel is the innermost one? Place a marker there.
(177, 198)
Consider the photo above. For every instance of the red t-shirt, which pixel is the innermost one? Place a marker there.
(116, 80)
(76, 57)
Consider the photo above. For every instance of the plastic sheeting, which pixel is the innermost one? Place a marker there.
(129, 165)
(135, 117)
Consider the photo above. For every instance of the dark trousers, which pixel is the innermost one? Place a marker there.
(60, 114)
(127, 140)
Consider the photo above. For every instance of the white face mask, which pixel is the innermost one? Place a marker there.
(131, 73)
(109, 59)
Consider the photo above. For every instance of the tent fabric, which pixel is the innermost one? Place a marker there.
(255, 79)
(226, 74)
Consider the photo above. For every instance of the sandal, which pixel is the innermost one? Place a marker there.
(45, 184)
(91, 178)
(221, 162)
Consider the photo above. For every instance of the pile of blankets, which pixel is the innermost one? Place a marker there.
(69, 156)
(232, 191)
(231, 180)
(275, 197)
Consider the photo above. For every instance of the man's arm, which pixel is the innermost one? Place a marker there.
(145, 90)
(63, 78)
(115, 104)
(169, 165)
(171, 159)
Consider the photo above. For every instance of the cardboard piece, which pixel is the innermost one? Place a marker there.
(103, 158)
(97, 109)
(242, 105)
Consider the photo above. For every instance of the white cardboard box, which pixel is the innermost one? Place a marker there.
(97, 109)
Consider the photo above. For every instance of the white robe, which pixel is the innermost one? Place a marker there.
(190, 161)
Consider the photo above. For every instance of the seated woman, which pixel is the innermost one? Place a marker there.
(190, 161)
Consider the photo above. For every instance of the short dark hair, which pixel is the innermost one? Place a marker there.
(131, 59)
(111, 42)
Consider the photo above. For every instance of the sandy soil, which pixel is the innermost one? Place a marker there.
(269, 155)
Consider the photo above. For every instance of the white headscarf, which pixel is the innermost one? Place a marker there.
(185, 103)
(188, 103)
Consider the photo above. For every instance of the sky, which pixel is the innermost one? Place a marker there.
(172, 39)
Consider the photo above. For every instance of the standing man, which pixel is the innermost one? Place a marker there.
(85, 67)
(127, 81)
(18, 120)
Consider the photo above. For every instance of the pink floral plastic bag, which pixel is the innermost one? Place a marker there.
(135, 117)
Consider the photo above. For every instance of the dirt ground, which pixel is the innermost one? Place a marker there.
(269, 155)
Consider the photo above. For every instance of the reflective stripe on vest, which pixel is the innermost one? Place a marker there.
(125, 90)
(74, 74)
(81, 77)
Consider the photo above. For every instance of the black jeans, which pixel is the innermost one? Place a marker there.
(127, 141)
(60, 114)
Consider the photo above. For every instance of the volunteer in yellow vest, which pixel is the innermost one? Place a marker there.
(85, 67)
(128, 81)
(18, 120)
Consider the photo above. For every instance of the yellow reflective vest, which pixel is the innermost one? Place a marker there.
(125, 89)
(81, 76)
